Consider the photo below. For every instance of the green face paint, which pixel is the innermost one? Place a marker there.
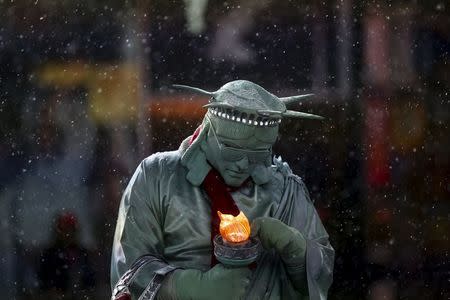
(230, 153)
(236, 157)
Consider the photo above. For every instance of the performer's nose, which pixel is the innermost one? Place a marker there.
(242, 164)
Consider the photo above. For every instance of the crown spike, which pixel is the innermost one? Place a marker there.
(292, 99)
(298, 114)
(194, 89)
(271, 113)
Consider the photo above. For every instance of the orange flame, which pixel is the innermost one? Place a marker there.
(234, 229)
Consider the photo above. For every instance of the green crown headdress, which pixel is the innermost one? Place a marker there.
(245, 102)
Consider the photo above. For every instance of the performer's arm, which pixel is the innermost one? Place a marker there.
(304, 247)
(289, 243)
(139, 233)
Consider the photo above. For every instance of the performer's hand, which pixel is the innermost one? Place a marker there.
(217, 283)
(275, 234)
(288, 242)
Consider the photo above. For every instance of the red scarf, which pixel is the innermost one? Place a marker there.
(221, 200)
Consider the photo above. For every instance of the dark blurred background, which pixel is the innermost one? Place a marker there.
(85, 95)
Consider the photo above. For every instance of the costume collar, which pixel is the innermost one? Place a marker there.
(193, 158)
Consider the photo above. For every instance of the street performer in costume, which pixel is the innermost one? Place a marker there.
(168, 218)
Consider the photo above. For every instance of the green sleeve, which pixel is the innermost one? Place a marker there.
(139, 227)
(297, 210)
(319, 258)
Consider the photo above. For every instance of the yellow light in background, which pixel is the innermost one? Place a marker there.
(112, 89)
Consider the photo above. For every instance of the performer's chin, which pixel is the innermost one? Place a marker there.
(234, 179)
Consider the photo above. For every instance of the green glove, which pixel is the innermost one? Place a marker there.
(217, 283)
(288, 242)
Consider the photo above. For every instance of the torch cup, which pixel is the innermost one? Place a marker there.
(238, 254)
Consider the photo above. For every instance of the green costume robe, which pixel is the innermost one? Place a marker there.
(164, 212)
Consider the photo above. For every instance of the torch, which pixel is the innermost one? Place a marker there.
(234, 247)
